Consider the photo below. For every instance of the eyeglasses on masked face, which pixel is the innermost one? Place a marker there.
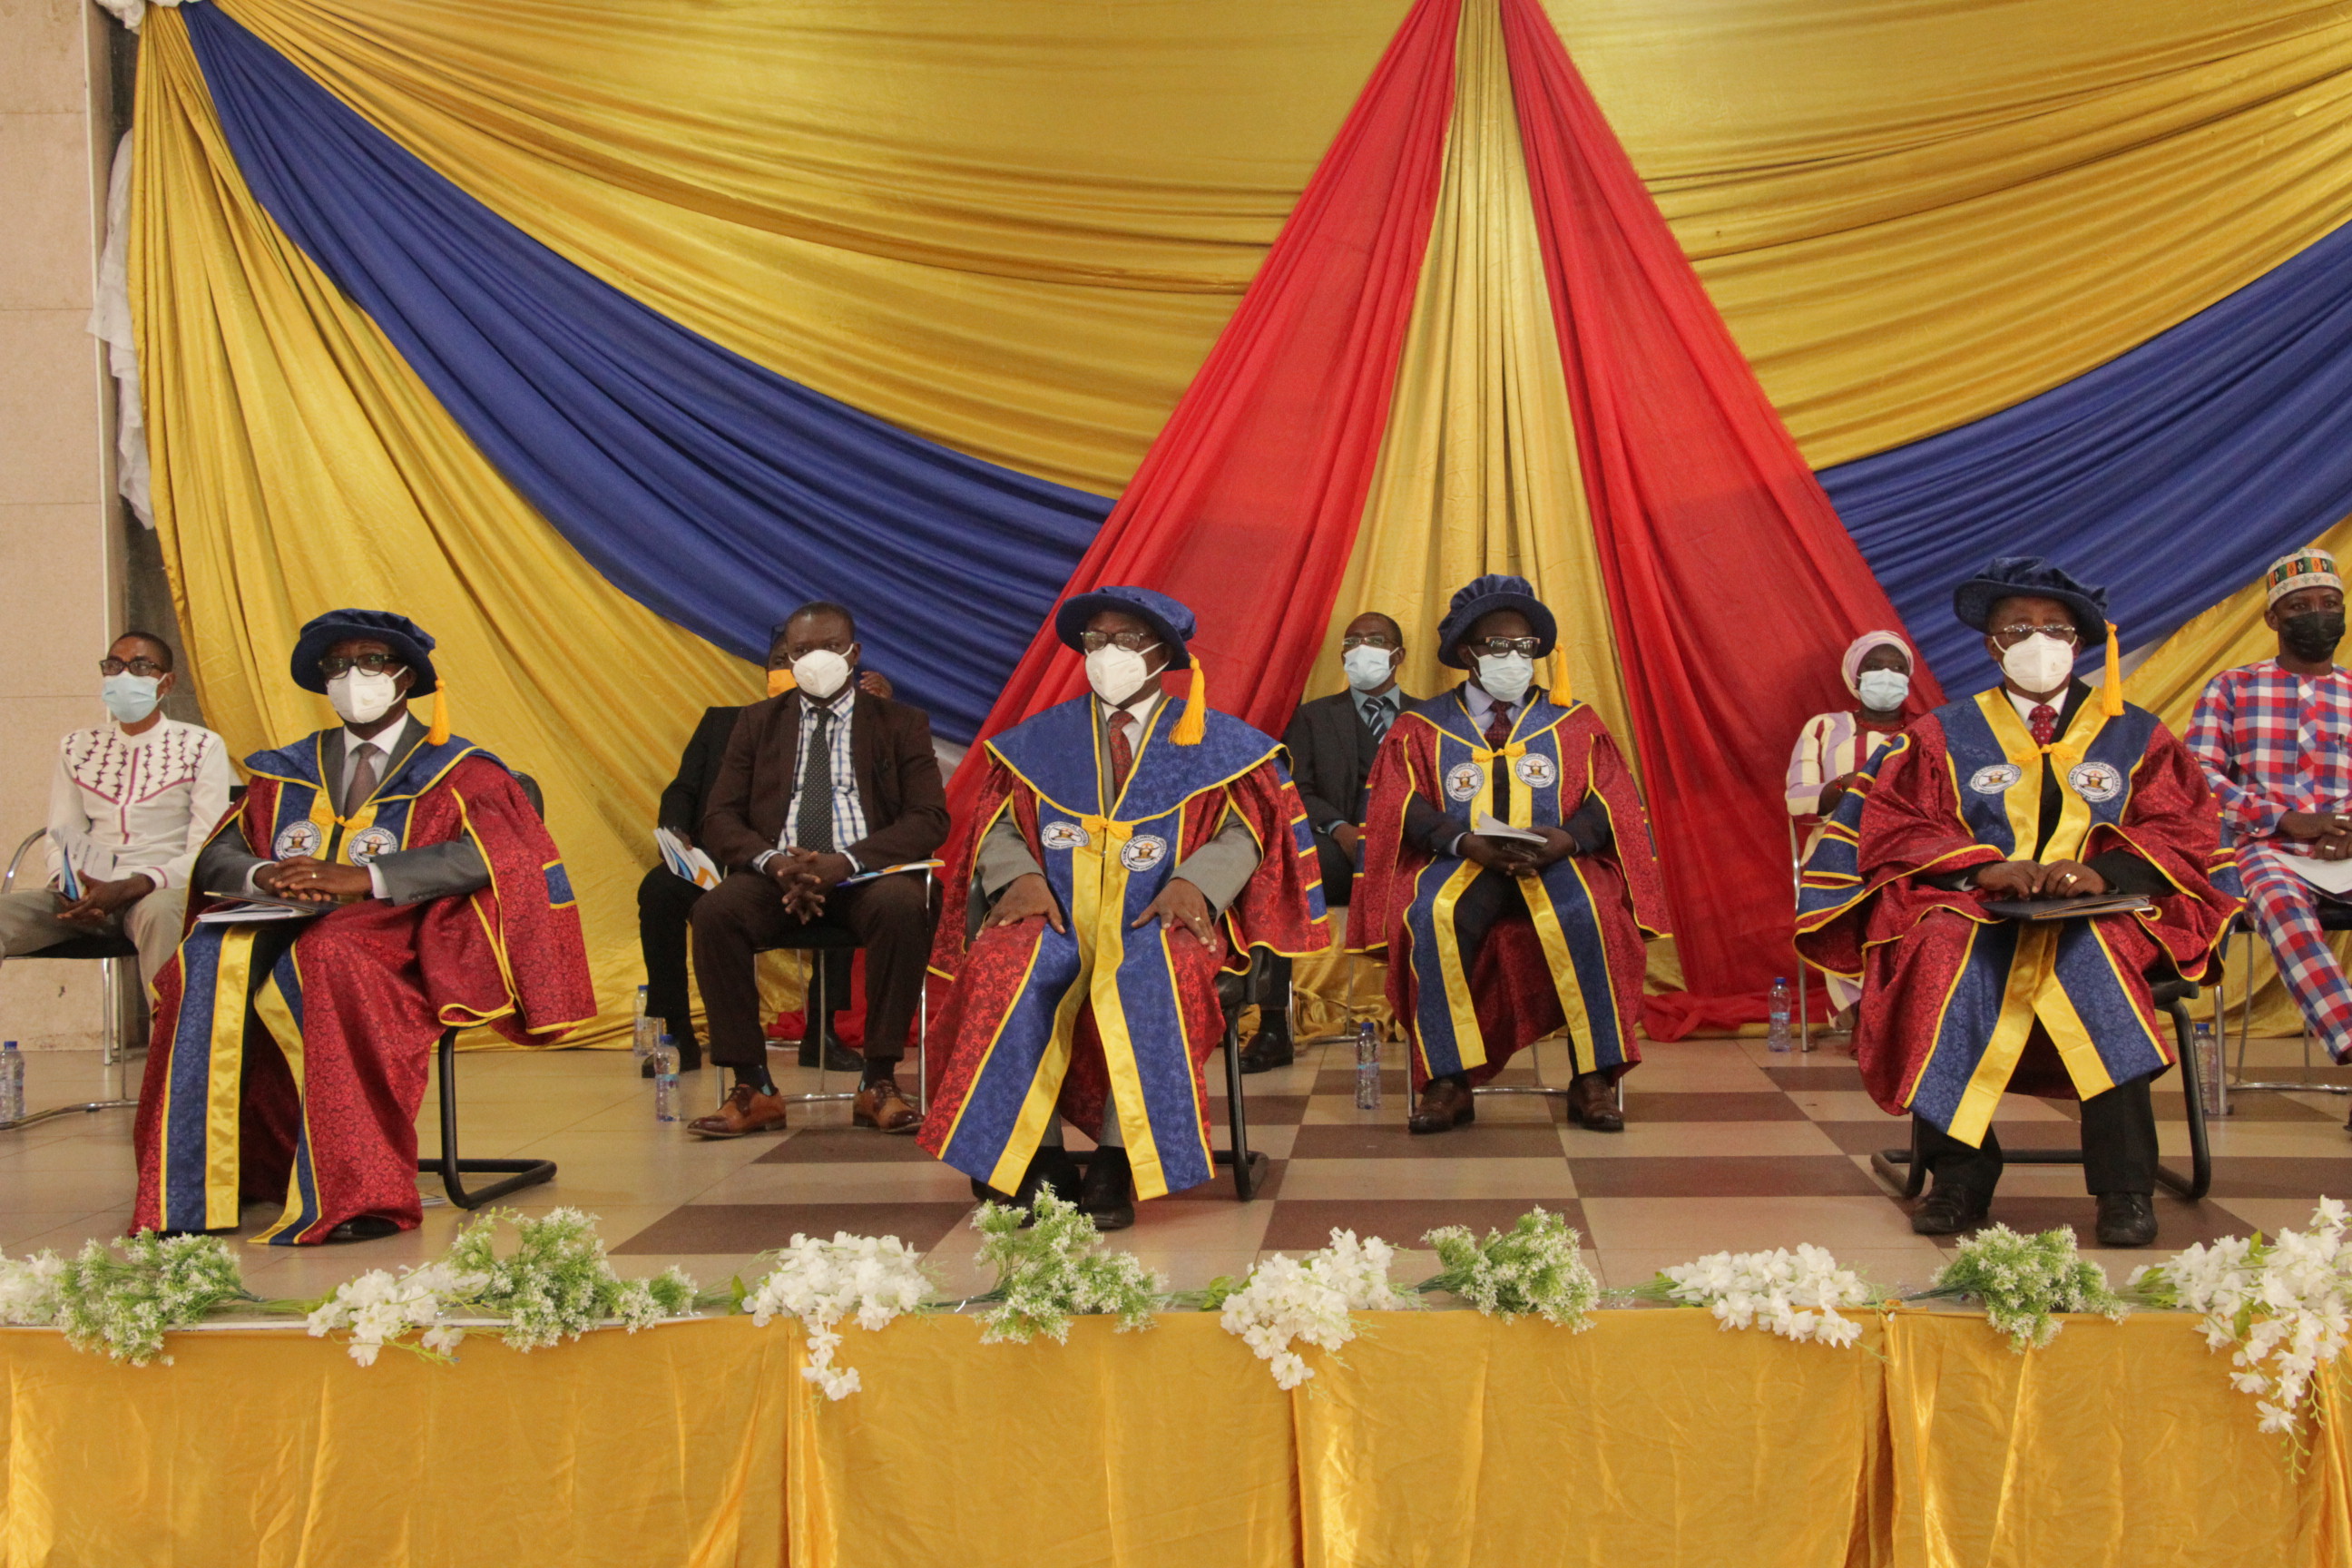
(1133, 642)
(1503, 648)
(336, 664)
(1380, 640)
(2018, 631)
(142, 666)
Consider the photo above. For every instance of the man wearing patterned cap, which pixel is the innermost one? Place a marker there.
(2274, 739)
(289, 1056)
(1123, 849)
(1496, 941)
(2033, 790)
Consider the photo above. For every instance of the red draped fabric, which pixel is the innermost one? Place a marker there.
(1732, 586)
(1246, 506)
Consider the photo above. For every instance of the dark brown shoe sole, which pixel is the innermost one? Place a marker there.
(719, 1132)
(904, 1127)
(1414, 1124)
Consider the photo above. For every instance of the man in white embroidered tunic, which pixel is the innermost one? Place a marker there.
(129, 806)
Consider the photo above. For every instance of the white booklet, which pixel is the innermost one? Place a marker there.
(691, 864)
(245, 912)
(1485, 826)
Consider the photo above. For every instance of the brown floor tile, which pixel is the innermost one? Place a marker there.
(2177, 1224)
(1710, 1106)
(1302, 1224)
(755, 1227)
(843, 1146)
(1837, 1075)
(1705, 1176)
(1264, 1109)
(2261, 1176)
(1219, 1188)
(1394, 1082)
(1869, 1137)
(2259, 1107)
(1389, 1140)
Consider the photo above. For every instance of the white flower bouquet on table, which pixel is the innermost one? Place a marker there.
(28, 1289)
(1536, 1268)
(1056, 1268)
(2285, 1304)
(872, 1279)
(2024, 1281)
(125, 1304)
(1796, 1295)
(1286, 1302)
(380, 1308)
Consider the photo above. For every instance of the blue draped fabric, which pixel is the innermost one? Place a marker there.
(712, 491)
(2171, 475)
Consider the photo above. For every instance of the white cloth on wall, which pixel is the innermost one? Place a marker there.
(110, 323)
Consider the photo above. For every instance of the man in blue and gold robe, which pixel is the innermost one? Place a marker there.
(1121, 853)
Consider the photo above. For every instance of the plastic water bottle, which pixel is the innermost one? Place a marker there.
(645, 1033)
(12, 1082)
(2211, 1092)
(665, 1055)
(1367, 1068)
(1782, 1036)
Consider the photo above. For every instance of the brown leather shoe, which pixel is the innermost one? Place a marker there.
(746, 1111)
(880, 1105)
(1593, 1104)
(1444, 1106)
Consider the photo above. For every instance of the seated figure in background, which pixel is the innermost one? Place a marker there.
(2031, 791)
(289, 1056)
(1833, 749)
(1494, 941)
(129, 804)
(2276, 741)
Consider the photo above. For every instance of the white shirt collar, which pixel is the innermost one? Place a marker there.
(1139, 709)
(2026, 705)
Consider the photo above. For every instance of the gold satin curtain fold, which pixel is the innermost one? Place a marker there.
(1017, 227)
(1440, 1440)
(300, 466)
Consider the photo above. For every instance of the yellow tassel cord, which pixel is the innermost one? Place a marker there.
(1195, 721)
(1562, 694)
(438, 735)
(2111, 699)
(780, 681)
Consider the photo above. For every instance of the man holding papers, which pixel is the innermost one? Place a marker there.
(2031, 792)
(289, 1056)
(821, 784)
(1509, 871)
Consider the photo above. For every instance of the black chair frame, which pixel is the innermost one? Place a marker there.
(816, 941)
(1907, 1169)
(107, 952)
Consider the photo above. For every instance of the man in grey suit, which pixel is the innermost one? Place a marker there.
(1331, 742)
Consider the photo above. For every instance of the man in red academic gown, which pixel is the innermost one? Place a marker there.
(289, 1057)
(2035, 790)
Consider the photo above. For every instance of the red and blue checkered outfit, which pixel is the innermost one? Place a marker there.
(2271, 742)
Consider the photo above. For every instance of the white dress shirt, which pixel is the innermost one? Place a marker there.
(137, 805)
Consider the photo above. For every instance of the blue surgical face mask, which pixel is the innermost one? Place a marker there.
(130, 698)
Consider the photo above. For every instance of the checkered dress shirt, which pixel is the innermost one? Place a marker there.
(2271, 742)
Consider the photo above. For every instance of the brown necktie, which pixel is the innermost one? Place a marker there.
(362, 783)
(2044, 721)
(1122, 750)
(1499, 735)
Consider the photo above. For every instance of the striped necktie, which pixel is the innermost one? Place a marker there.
(1378, 715)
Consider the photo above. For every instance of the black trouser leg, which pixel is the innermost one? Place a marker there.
(1339, 871)
(1955, 1165)
(2119, 1140)
(895, 929)
(665, 904)
(732, 924)
(1273, 993)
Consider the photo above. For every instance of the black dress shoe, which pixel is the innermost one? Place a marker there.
(2126, 1219)
(1107, 1197)
(364, 1227)
(1051, 1170)
(1268, 1049)
(1949, 1211)
(838, 1057)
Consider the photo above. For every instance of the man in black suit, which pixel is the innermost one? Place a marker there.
(665, 900)
(1331, 741)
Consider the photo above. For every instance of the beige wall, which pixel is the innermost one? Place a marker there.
(61, 568)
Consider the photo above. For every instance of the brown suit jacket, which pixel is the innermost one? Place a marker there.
(898, 782)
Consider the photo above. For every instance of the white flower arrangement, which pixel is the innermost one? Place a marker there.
(1795, 1295)
(1535, 1267)
(380, 1308)
(2285, 1304)
(1056, 1268)
(126, 1304)
(2024, 1281)
(874, 1279)
(1286, 1301)
(557, 1283)
(28, 1289)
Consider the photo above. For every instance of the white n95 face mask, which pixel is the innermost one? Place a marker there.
(1883, 690)
(1116, 673)
(2039, 663)
(1368, 667)
(1505, 680)
(819, 672)
(360, 698)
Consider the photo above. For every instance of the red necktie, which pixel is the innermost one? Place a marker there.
(1122, 750)
(2044, 721)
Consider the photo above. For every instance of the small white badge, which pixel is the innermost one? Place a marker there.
(1536, 772)
(371, 842)
(1143, 851)
(298, 838)
(1995, 778)
(2096, 782)
(1463, 782)
(1063, 835)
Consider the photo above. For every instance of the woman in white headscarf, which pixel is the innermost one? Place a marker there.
(1833, 747)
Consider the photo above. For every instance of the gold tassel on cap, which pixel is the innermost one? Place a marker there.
(1562, 694)
(1195, 724)
(2111, 699)
(780, 681)
(438, 735)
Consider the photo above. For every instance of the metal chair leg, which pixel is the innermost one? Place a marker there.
(2195, 1185)
(453, 1171)
(1904, 1168)
(2305, 1085)
(815, 1012)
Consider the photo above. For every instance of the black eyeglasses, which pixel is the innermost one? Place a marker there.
(335, 664)
(783, 657)
(2010, 635)
(140, 666)
(1133, 642)
(1380, 640)
(1502, 647)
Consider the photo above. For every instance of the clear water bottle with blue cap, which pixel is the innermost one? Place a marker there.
(1783, 1036)
(12, 1082)
(645, 1033)
(1368, 1067)
(666, 1091)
